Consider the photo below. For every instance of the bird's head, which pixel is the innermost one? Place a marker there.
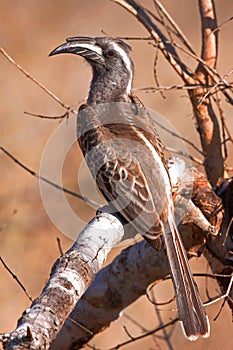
(110, 61)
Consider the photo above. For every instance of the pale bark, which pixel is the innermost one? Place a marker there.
(70, 277)
(132, 271)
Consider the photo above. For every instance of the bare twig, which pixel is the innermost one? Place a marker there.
(34, 80)
(186, 155)
(161, 12)
(140, 38)
(223, 24)
(152, 300)
(135, 322)
(161, 41)
(222, 296)
(218, 87)
(147, 334)
(155, 72)
(59, 246)
(16, 278)
(175, 26)
(166, 335)
(34, 173)
(214, 87)
(81, 326)
(224, 129)
(205, 73)
(216, 77)
(187, 74)
(174, 134)
(168, 48)
(65, 115)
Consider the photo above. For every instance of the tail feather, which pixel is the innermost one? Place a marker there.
(190, 308)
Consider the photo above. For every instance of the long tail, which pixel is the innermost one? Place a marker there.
(190, 308)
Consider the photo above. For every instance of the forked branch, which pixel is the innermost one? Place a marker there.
(132, 271)
(206, 119)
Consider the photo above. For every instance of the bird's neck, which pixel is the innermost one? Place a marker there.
(106, 89)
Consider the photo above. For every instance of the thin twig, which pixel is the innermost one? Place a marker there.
(34, 173)
(180, 137)
(223, 127)
(150, 288)
(127, 332)
(166, 48)
(223, 296)
(166, 334)
(178, 31)
(162, 21)
(144, 335)
(139, 325)
(136, 38)
(220, 310)
(134, 322)
(228, 230)
(155, 72)
(152, 331)
(210, 275)
(197, 274)
(186, 155)
(215, 86)
(221, 25)
(28, 75)
(16, 278)
(59, 247)
(62, 116)
(80, 326)
(184, 87)
(211, 71)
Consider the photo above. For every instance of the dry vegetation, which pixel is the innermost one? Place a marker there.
(27, 236)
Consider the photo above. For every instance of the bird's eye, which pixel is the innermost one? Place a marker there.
(110, 54)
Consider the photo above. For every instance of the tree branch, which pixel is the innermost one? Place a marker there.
(132, 271)
(207, 123)
(160, 39)
(139, 265)
(70, 277)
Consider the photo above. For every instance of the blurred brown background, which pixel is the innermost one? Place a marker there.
(30, 29)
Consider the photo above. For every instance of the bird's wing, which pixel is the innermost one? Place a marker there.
(125, 171)
(148, 124)
(126, 181)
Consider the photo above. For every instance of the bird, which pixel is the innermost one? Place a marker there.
(123, 150)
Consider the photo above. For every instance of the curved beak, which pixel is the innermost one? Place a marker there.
(82, 46)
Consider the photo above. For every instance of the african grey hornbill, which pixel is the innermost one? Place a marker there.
(123, 150)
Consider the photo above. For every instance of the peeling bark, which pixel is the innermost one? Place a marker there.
(70, 277)
(132, 271)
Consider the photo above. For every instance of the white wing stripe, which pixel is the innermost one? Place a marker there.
(158, 161)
